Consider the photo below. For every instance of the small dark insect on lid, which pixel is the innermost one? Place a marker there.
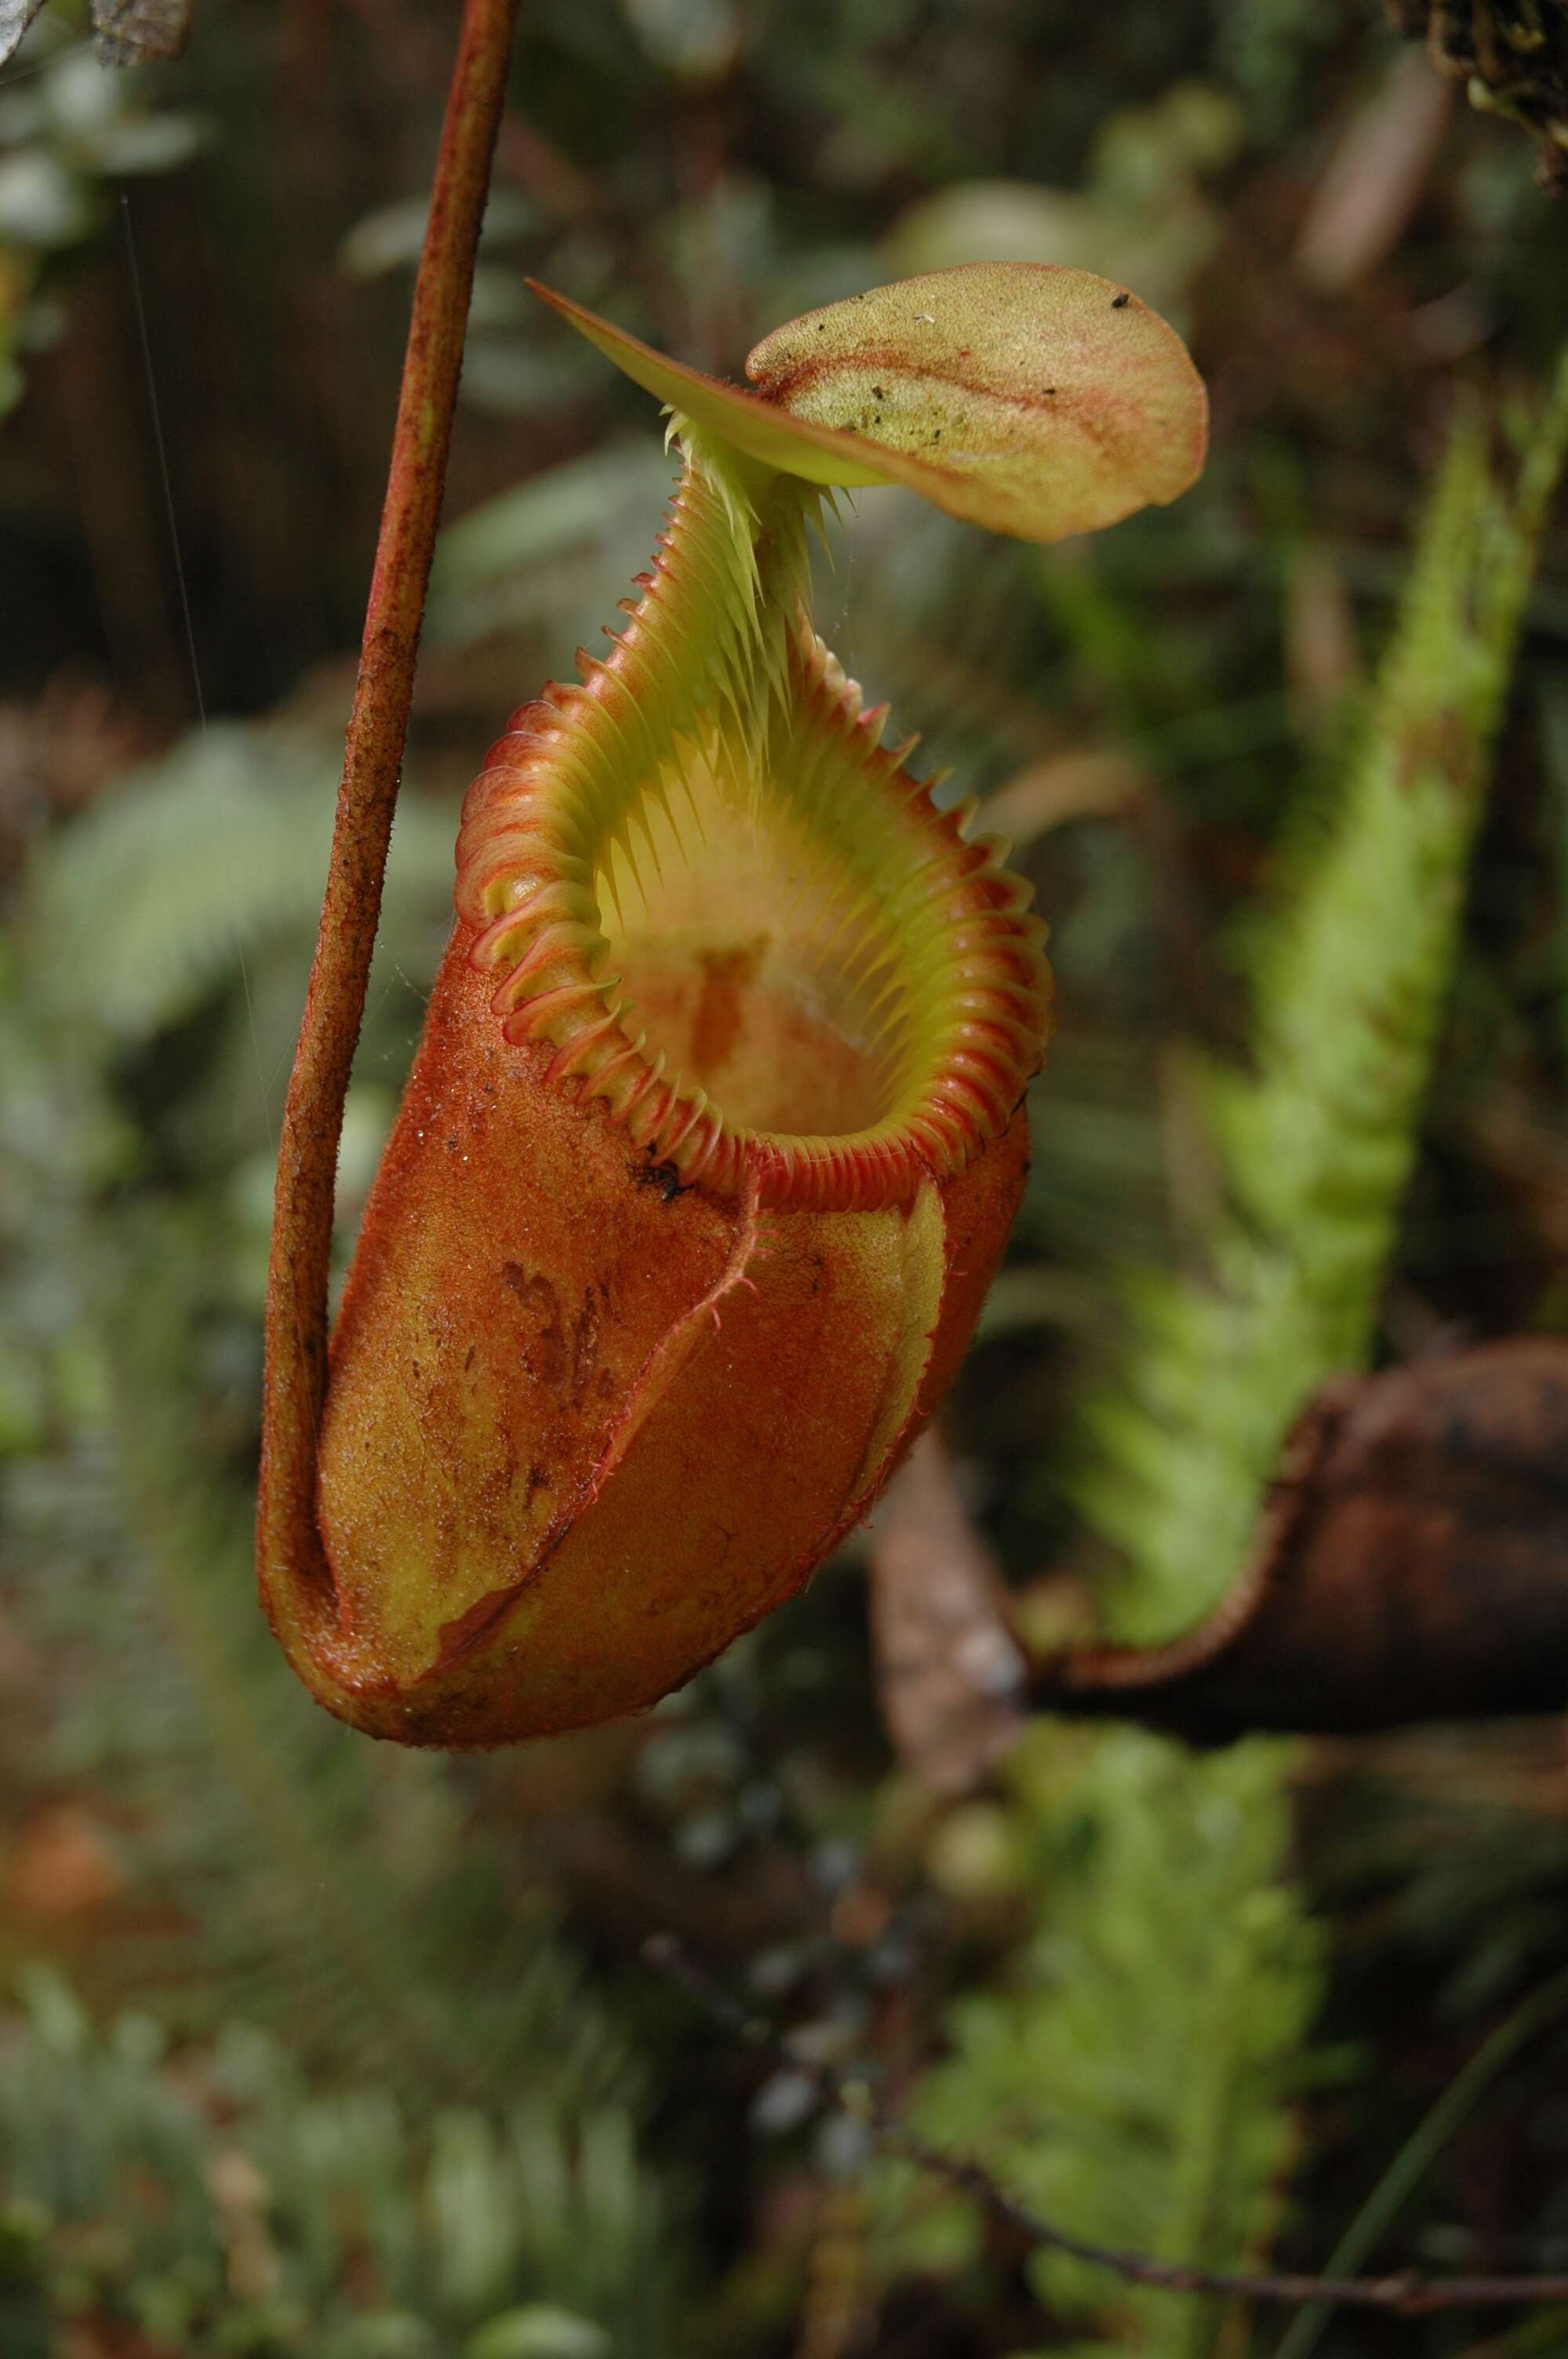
(1117, 301)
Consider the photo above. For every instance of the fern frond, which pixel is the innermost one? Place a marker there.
(1129, 2081)
(1134, 2082)
(146, 903)
(216, 2201)
(1316, 1143)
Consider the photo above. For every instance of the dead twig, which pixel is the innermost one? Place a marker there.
(950, 1673)
(1375, 179)
(1406, 2293)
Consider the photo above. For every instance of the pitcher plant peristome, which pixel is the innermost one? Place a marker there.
(716, 1130)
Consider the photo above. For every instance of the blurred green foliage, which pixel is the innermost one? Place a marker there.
(70, 134)
(1133, 2075)
(228, 2208)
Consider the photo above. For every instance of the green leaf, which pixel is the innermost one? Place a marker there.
(539, 2331)
(1031, 400)
(385, 2334)
(540, 521)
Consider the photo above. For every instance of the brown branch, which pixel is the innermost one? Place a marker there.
(949, 1670)
(295, 1382)
(1404, 2292)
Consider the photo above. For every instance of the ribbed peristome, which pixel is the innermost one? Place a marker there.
(700, 877)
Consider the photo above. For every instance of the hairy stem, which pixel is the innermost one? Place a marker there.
(295, 1381)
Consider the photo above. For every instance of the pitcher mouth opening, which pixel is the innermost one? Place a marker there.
(758, 941)
(728, 968)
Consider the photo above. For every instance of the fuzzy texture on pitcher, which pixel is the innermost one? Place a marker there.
(710, 1149)
(716, 1132)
